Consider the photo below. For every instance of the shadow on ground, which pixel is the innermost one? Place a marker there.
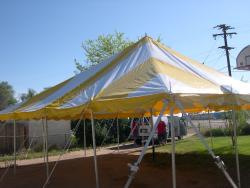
(193, 170)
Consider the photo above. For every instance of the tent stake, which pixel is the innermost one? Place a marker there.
(134, 167)
(94, 148)
(217, 160)
(236, 149)
(173, 146)
(84, 139)
(14, 144)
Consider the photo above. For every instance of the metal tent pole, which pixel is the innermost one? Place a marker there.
(236, 149)
(153, 140)
(132, 129)
(46, 148)
(134, 167)
(210, 127)
(14, 144)
(220, 164)
(173, 146)
(118, 134)
(94, 148)
(44, 142)
(84, 139)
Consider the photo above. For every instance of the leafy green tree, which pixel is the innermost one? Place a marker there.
(6, 95)
(102, 48)
(30, 93)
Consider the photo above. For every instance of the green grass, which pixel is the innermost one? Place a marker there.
(191, 154)
(221, 146)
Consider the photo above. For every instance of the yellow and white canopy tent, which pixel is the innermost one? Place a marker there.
(135, 83)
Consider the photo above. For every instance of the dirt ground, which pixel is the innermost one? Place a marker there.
(113, 172)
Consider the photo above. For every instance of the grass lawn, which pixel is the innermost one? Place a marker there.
(191, 155)
(221, 146)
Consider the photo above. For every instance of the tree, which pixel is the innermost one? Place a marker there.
(101, 48)
(30, 93)
(6, 95)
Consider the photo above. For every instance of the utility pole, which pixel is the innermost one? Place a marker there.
(224, 34)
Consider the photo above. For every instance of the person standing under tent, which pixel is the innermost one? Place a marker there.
(161, 130)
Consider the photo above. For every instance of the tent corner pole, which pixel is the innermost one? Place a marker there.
(14, 144)
(236, 151)
(173, 146)
(94, 149)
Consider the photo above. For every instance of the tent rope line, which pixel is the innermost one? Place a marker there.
(219, 163)
(105, 137)
(65, 150)
(135, 167)
(12, 161)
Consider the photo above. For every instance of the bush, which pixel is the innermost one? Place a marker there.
(245, 130)
(217, 132)
(38, 148)
(53, 147)
(73, 141)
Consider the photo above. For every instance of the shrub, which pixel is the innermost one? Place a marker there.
(216, 132)
(38, 148)
(245, 130)
(53, 147)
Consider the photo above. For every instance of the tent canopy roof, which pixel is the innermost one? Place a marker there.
(134, 83)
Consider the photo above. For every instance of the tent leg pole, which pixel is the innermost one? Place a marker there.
(217, 160)
(14, 144)
(44, 144)
(46, 148)
(94, 148)
(153, 140)
(210, 127)
(134, 167)
(173, 146)
(236, 149)
(118, 134)
(84, 132)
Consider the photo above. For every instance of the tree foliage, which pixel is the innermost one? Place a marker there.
(102, 48)
(30, 93)
(6, 95)
(105, 130)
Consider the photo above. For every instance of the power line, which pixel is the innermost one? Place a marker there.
(224, 34)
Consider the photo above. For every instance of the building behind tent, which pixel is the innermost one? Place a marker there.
(30, 134)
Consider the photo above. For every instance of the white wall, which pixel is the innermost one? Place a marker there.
(58, 131)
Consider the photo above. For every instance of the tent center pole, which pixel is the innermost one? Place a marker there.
(94, 149)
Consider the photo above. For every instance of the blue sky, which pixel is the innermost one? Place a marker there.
(40, 39)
